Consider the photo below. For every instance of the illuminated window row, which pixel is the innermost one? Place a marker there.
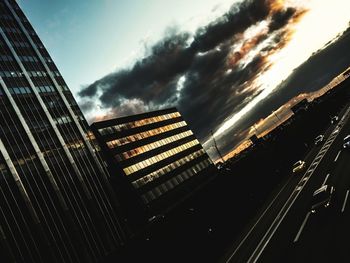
(62, 119)
(11, 74)
(20, 90)
(143, 135)
(173, 182)
(37, 73)
(157, 158)
(75, 145)
(44, 89)
(138, 123)
(166, 169)
(151, 146)
(22, 161)
(27, 90)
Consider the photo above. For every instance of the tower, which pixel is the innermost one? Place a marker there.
(55, 203)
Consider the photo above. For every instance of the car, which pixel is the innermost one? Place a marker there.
(319, 139)
(156, 218)
(299, 166)
(337, 129)
(219, 165)
(322, 198)
(334, 119)
(346, 142)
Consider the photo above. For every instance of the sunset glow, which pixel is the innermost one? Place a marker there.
(306, 38)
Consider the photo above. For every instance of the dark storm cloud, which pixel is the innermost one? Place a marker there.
(280, 18)
(210, 97)
(216, 83)
(88, 91)
(86, 104)
(172, 55)
(239, 18)
(148, 77)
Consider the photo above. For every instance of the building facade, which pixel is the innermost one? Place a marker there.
(157, 154)
(55, 202)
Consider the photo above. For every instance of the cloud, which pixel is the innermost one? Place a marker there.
(86, 105)
(208, 76)
(280, 18)
(152, 78)
(239, 18)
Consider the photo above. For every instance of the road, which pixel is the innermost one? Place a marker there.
(285, 231)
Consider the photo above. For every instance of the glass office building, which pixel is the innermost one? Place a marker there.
(55, 203)
(157, 153)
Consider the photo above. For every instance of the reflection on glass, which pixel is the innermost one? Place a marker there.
(168, 168)
(153, 145)
(138, 123)
(135, 167)
(143, 135)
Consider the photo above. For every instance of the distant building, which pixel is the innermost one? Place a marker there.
(156, 154)
(300, 106)
(346, 73)
(254, 139)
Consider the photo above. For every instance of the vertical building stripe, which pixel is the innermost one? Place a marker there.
(18, 181)
(33, 142)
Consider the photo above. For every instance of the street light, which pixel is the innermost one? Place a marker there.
(216, 147)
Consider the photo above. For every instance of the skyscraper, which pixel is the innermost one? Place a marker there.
(55, 205)
(157, 154)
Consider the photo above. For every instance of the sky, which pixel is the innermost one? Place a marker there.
(218, 62)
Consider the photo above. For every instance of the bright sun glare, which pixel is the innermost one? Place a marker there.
(323, 22)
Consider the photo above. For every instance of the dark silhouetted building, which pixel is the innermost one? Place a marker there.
(254, 139)
(156, 154)
(55, 203)
(301, 106)
(346, 73)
